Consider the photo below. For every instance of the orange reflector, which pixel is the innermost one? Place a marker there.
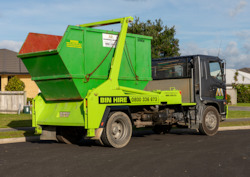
(102, 123)
(180, 92)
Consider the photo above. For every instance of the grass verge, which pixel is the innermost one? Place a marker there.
(17, 134)
(238, 114)
(15, 120)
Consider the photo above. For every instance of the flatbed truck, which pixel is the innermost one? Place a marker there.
(98, 84)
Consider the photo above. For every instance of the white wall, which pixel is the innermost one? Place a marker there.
(233, 93)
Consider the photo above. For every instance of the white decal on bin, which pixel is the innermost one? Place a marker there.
(109, 40)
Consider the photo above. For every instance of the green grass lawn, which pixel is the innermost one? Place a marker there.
(238, 114)
(241, 104)
(15, 120)
(15, 134)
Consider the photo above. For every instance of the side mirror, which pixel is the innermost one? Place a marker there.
(223, 65)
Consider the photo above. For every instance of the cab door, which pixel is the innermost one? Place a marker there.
(217, 87)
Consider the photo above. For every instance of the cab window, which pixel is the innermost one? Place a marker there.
(215, 70)
(171, 68)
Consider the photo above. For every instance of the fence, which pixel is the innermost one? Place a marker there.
(11, 102)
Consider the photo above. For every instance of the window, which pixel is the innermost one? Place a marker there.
(171, 68)
(215, 70)
(9, 77)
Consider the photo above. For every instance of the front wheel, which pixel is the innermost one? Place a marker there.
(210, 121)
(118, 130)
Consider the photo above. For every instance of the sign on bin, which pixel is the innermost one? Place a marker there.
(109, 40)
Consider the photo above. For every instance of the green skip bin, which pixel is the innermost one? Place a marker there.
(66, 67)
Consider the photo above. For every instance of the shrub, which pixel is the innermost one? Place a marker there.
(243, 93)
(228, 99)
(29, 100)
(15, 84)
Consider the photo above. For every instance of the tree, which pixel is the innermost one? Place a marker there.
(15, 84)
(164, 43)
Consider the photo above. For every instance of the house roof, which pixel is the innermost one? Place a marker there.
(243, 77)
(247, 70)
(10, 63)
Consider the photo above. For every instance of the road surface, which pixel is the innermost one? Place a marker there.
(147, 155)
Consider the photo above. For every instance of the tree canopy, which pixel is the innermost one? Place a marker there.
(164, 43)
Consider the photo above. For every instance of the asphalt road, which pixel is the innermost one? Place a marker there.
(147, 155)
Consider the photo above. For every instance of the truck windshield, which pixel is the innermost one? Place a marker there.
(171, 68)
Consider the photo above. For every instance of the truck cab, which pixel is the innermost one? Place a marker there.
(200, 78)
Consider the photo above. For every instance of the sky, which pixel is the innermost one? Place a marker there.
(220, 28)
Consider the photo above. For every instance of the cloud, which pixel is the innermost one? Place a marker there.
(238, 8)
(11, 45)
(192, 49)
(244, 37)
(235, 57)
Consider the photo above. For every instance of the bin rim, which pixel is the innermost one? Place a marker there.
(36, 54)
(108, 31)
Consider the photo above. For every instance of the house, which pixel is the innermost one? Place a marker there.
(243, 78)
(11, 65)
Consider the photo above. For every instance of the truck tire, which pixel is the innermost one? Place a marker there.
(118, 130)
(161, 129)
(70, 135)
(210, 121)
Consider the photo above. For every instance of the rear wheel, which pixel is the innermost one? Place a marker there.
(70, 135)
(210, 121)
(118, 130)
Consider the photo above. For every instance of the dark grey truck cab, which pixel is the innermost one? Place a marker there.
(201, 79)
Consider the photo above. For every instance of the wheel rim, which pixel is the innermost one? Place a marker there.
(211, 120)
(118, 130)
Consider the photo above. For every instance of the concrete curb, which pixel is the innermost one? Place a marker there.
(186, 130)
(234, 128)
(16, 129)
(19, 140)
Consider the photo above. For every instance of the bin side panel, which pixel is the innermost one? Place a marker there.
(60, 89)
(95, 53)
(48, 65)
(128, 61)
(71, 51)
(36, 42)
(143, 59)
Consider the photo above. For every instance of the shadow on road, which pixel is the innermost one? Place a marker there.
(136, 134)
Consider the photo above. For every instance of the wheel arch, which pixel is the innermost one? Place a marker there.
(216, 105)
(109, 109)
